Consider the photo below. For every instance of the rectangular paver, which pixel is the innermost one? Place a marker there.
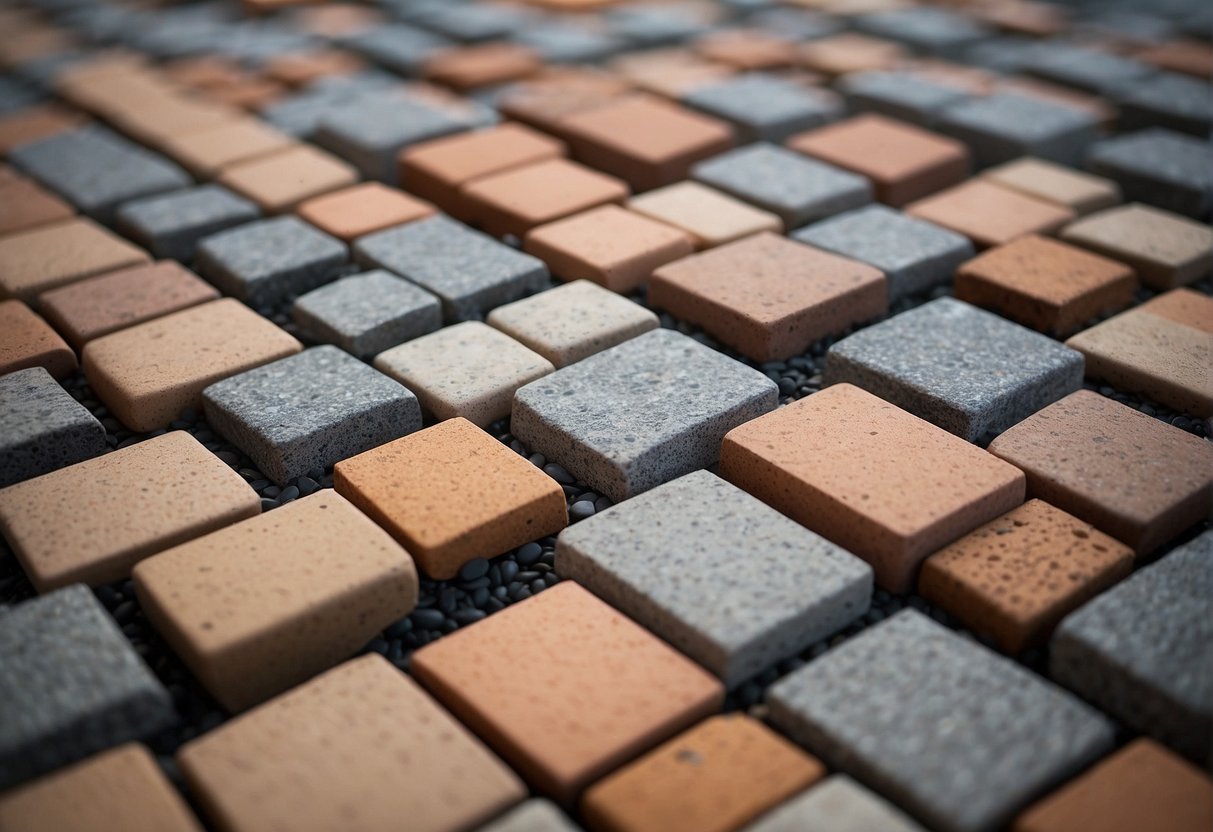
(710, 217)
(1081, 192)
(25, 204)
(205, 153)
(764, 107)
(42, 428)
(279, 181)
(50, 256)
(362, 209)
(170, 225)
(1165, 249)
(1007, 125)
(989, 214)
(27, 341)
(1159, 167)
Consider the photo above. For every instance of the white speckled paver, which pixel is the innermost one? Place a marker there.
(170, 225)
(836, 804)
(954, 734)
(367, 313)
(1159, 167)
(42, 428)
(1005, 126)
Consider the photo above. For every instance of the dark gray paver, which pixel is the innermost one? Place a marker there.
(70, 684)
(796, 24)
(16, 95)
(1005, 126)
(765, 108)
(966, 370)
(309, 411)
(958, 736)
(42, 428)
(170, 225)
(398, 47)
(836, 804)
(937, 31)
(1176, 102)
(1159, 167)
(1088, 69)
(299, 115)
(901, 95)
(473, 22)
(367, 313)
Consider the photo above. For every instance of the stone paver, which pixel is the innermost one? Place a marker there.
(281, 180)
(937, 31)
(1166, 250)
(359, 747)
(579, 657)
(26, 341)
(1159, 167)
(1167, 100)
(42, 427)
(837, 804)
(171, 225)
(1007, 125)
(468, 68)
(907, 96)
(871, 707)
(205, 153)
(1086, 68)
(24, 204)
(54, 255)
(31, 124)
(989, 214)
(363, 209)
(1081, 192)
(535, 815)
(764, 107)
(710, 217)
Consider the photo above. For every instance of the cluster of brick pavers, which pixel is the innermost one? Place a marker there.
(568, 414)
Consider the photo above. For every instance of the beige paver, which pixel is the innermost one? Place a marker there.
(207, 152)
(49, 256)
(1081, 192)
(989, 214)
(1165, 249)
(298, 69)
(362, 209)
(25, 205)
(28, 341)
(747, 49)
(280, 181)
(711, 218)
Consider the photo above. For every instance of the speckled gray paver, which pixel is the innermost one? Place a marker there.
(669, 559)
(170, 225)
(1143, 651)
(1159, 167)
(42, 428)
(15, 95)
(1005, 126)
(535, 815)
(265, 262)
(367, 313)
(836, 804)
(70, 684)
(1176, 102)
(400, 48)
(473, 22)
(914, 254)
(936, 31)
(949, 731)
(471, 272)
(561, 42)
(613, 420)
(765, 108)
(783, 182)
(309, 411)
(1087, 69)
(901, 95)
(967, 370)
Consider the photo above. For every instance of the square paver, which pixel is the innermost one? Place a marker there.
(839, 804)
(710, 217)
(49, 256)
(915, 98)
(281, 180)
(25, 204)
(468, 68)
(26, 341)
(363, 209)
(989, 214)
(1086, 68)
(934, 30)
(850, 52)
(397, 47)
(764, 107)
(1164, 249)
(1006, 125)
(1159, 167)
(42, 428)
(609, 419)
(1081, 192)
(170, 225)
(40, 121)
(1175, 102)
(205, 153)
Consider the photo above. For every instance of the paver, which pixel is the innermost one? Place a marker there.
(569, 42)
(26, 340)
(482, 65)
(1081, 192)
(37, 122)
(747, 49)
(171, 225)
(1164, 249)
(764, 107)
(838, 804)
(1086, 68)
(783, 182)
(610, 420)
(475, 23)
(545, 104)
(1159, 167)
(989, 214)
(850, 52)
(1141, 652)
(400, 48)
(579, 657)
(906, 96)
(25, 204)
(298, 69)
(1075, 454)
(826, 462)
(358, 747)
(280, 181)
(710, 217)
(1168, 100)
(363, 209)
(535, 815)
(769, 297)
(206, 153)
(934, 30)
(66, 664)
(714, 777)
(53, 255)
(670, 72)
(872, 705)
(1007, 125)
(452, 493)
(42, 427)
(149, 373)
(1189, 56)
(470, 272)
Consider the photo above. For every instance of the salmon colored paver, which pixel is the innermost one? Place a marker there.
(149, 373)
(747, 49)
(722, 773)
(93, 521)
(280, 181)
(670, 72)
(989, 214)
(1142, 786)
(1016, 577)
(1165, 249)
(120, 790)
(544, 104)
(361, 747)
(207, 152)
(1045, 284)
(25, 204)
(31, 124)
(711, 218)
(266, 604)
(886, 485)
(1081, 192)
(481, 65)
(49, 256)
(847, 52)
(363, 209)
(298, 69)
(565, 688)
(28, 341)
(451, 493)
(770, 297)
(1130, 475)
(904, 162)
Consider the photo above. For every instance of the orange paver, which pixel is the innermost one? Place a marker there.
(24, 204)
(49, 256)
(1081, 192)
(149, 373)
(518, 200)
(282, 180)
(31, 124)
(747, 49)
(1165, 249)
(359, 747)
(711, 218)
(297, 69)
(566, 688)
(451, 493)
(362, 209)
(545, 103)
(91, 522)
(669, 72)
(989, 214)
(207, 152)
(482, 65)
(840, 54)
(871, 477)
(28, 341)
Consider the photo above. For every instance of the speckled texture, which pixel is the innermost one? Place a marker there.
(535, 815)
(902, 95)
(27, 341)
(1081, 192)
(1165, 249)
(56, 254)
(1076, 452)
(610, 420)
(1006, 125)
(836, 804)
(25, 204)
(1087, 68)
(72, 684)
(279, 181)
(949, 731)
(470, 272)
(764, 107)
(36, 122)
(359, 747)
(1143, 651)
(1168, 100)
(565, 688)
(367, 313)
(363, 209)
(42, 428)
(207, 152)
(989, 214)
(1159, 167)
(710, 217)
(170, 225)
(938, 31)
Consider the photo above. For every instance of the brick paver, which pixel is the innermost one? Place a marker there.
(49, 256)
(39, 121)
(42, 427)
(481, 65)
(710, 217)
(26, 341)
(206, 153)
(989, 214)
(281, 180)
(362, 209)
(1007, 125)
(1166, 250)
(1159, 167)
(1081, 192)
(25, 204)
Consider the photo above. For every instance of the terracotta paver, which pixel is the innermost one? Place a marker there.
(482, 65)
(53, 255)
(452, 493)
(1165, 249)
(709, 216)
(1078, 452)
(989, 214)
(24, 204)
(669, 72)
(266, 604)
(33, 123)
(149, 373)
(362, 209)
(520, 199)
(769, 297)
(207, 152)
(840, 54)
(1081, 192)
(609, 689)
(1048, 285)
(904, 162)
(357, 748)
(280, 181)
(869, 476)
(722, 773)
(26, 340)
(544, 104)
(91, 522)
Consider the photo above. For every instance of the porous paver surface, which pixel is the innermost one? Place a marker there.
(67, 665)
(363, 209)
(280, 181)
(577, 656)
(707, 215)
(989, 214)
(1143, 651)
(837, 804)
(1168, 100)
(1081, 192)
(911, 97)
(872, 706)
(358, 747)
(609, 419)
(871, 477)
(1166, 250)
(207, 152)
(1159, 167)
(42, 427)
(27, 341)
(39, 121)
(451, 493)
(1007, 125)
(170, 225)
(53, 255)
(535, 815)
(25, 204)
(764, 107)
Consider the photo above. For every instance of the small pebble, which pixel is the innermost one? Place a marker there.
(581, 510)
(474, 569)
(526, 555)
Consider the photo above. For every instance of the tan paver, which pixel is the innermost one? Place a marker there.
(298, 69)
(747, 49)
(1081, 192)
(669, 72)
(544, 103)
(207, 152)
(362, 209)
(711, 218)
(91, 522)
(149, 373)
(282, 180)
(31, 124)
(1165, 249)
(566, 688)
(869, 476)
(989, 214)
(25, 204)
(28, 341)
(840, 54)
(49, 256)
(359, 748)
(482, 65)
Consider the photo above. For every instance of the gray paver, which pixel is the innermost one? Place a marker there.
(796, 24)
(535, 815)
(937, 31)
(42, 428)
(398, 47)
(367, 313)
(958, 736)
(1159, 167)
(612, 420)
(836, 804)
(1176, 102)
(561, 42)
(1143, 651)
(668, 559)
(71, 685)
(309, 411)
(170, 225)
(765, 108)
(654, 24)
(1005, 126)
(901, 95)
(474, 21)
(15, 95)
(1087, 69)
(967, 370)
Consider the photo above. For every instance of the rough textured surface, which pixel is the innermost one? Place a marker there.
(710, 217)
(764, 107)
(25, 204)
(170, 225)
(1165, 250)
(42, 428)
(367, 313)
(1007, 125)
(362, 209)
(281, 180)
(989, 214)
(53, 255)
(1168, 100)
(26, 341)
(837, 804)
(1159, 167)
(1081, 192)
(207, 152)
(914, 98)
